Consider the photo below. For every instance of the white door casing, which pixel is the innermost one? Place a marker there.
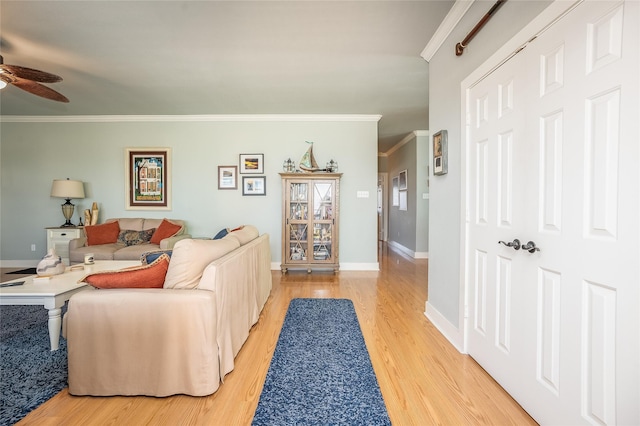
(552, 156)
(383, 206)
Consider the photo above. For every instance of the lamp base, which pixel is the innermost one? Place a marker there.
(67, 211)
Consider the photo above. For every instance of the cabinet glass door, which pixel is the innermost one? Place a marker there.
(323, 204)
(298, 242)
(298, 221)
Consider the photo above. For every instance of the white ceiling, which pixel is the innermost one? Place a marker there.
(226, 57)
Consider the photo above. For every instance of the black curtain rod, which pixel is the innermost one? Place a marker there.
(464, 43)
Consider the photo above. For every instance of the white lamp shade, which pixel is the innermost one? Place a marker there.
(65, 188)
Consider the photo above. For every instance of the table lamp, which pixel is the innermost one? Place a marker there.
(67, 189)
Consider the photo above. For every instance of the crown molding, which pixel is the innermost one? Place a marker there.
(189, 118)
(447, 25)
(403, 142)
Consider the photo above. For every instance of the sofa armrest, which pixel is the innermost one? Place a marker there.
(168, 243)
(77, 243)
(171, 349)
(242, 282)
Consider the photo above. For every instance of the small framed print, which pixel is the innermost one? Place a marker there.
(254, 185)
(402, 180)
(251, 163)
(403, 201)
(440, 163)
(227, 177)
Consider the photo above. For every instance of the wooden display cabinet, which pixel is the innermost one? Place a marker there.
(310, 210)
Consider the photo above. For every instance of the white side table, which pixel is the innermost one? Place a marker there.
(58, 239)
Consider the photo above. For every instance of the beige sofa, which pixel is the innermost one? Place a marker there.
(78, 247)
(166, 341)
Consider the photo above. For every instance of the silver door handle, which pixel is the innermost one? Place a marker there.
(530, 247)
(515, 244)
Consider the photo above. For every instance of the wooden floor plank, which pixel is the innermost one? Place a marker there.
(423, 378)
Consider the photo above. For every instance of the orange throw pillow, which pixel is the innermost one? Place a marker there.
(165, 230)
(144, 276)
(107, 233)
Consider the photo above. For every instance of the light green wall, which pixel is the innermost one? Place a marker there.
(422, 190)
(446, 73)
(32, 154)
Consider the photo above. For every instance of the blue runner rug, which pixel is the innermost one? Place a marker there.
(30, 373)
(321, 373)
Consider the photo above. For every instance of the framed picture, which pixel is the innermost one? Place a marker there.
(440, 163)
(395, 191)
(227, 177)
(252, 163)
(403, 200)
(254, 185)
(402, 180)
(147, 179)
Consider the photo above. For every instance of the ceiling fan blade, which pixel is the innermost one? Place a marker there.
(30, 74)
(38, 89)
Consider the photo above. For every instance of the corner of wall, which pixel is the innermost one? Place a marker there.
(453, 334)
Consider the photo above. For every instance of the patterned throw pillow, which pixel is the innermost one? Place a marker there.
(144, 276)
(149, 257)
(133, 238)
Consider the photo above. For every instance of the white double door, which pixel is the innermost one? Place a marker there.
(552, 157)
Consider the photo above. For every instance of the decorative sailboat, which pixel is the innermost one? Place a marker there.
(308, 162)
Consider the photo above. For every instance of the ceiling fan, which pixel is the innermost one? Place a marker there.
(29, 79)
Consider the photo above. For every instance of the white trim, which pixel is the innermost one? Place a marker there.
(413, 254)
(447, 25)
(537, 26)
(397, 246)
(445, 327)
(188, 118)
(404, 141)
(385, 205)
(360, 266)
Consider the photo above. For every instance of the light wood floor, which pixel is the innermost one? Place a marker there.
(423, 379)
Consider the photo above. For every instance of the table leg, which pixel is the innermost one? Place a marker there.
(55, 325)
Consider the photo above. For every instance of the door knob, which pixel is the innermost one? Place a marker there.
(530, 247)
(515, 244)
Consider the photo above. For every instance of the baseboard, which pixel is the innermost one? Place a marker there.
(360, 266)
(402, 249)
(275, 266)
(413, 254)
(31, 263)
(448, 330)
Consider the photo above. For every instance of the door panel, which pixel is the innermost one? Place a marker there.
(553, 158)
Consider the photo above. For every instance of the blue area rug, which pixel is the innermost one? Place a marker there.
(320, 373)
(30, 373)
